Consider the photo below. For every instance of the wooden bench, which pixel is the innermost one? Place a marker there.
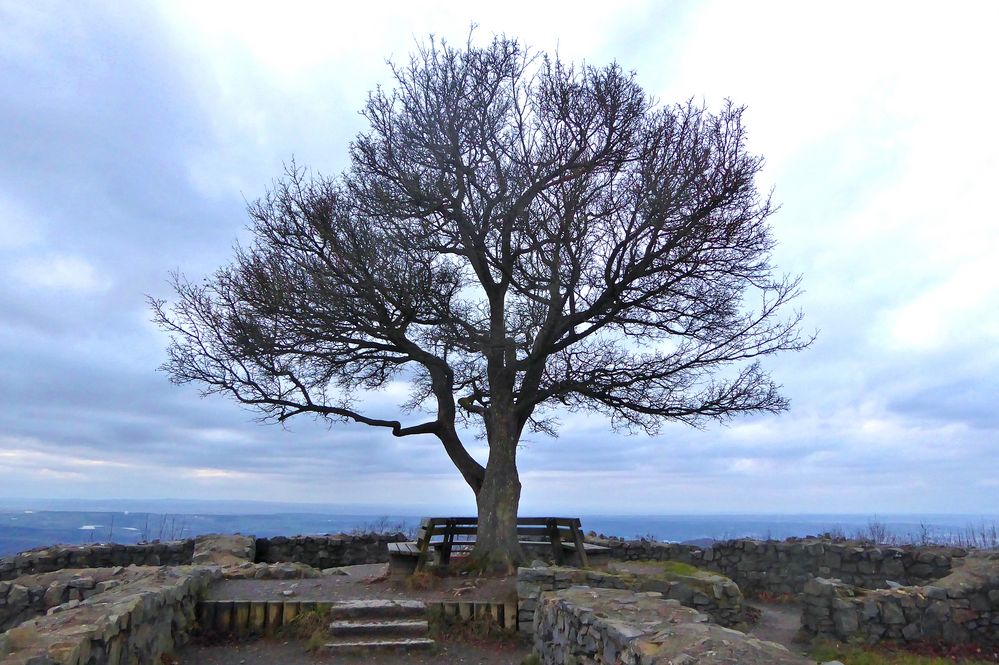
(445, 536)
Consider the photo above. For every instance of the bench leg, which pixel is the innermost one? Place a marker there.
(556, 539)
(401, 567)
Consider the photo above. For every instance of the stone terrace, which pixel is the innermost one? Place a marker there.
(78, 605)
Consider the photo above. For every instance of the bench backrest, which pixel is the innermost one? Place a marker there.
(556, 531)
(530, 529)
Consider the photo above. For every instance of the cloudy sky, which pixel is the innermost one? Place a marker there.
(132, 135)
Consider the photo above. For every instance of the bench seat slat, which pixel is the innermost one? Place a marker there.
(589, 547)
(404, 549)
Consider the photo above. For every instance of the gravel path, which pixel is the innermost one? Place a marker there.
(779, 622)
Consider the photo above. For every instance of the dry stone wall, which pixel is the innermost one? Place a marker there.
(958, 609)
(586, 626)
(714, 595)
(317, 551)
(133, 623)
(58, 557)
(785, 567)
(327, 551)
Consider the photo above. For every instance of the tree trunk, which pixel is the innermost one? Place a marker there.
(496, 545)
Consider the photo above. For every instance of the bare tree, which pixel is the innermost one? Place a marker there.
(516, 236)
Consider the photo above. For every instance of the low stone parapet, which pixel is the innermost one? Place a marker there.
(327, 551)
(320, 552)
(716, 596)
(609, 626)
(785, 567)
(961, 608)
(134, 623)
(58, 557)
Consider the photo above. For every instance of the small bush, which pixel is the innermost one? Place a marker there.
(305, 625)
(482, 628)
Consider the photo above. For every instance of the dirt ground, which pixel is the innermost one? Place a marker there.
(778, 622)
(363, 582)
(269, 652)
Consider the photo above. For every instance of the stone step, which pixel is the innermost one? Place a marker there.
(374, 610)
(360, 646)
(400, 627)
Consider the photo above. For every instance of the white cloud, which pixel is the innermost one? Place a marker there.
(219, 474)
(60, 272)
(23, 463)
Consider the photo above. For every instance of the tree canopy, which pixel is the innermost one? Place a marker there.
(515, 237)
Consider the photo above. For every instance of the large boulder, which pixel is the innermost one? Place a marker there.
(224, 550)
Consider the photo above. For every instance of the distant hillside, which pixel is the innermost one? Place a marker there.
(23, 530)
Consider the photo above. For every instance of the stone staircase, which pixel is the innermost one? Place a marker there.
(384, 625)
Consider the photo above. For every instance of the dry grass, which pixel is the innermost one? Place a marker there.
(981, 536)
(850, 654)
(479, 630)
(679, 568)
(422, 580)
(305, 625)
(774, 598)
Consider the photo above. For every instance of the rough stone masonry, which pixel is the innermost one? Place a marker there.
(712, 594)
(586, 626)
(962, 607)
(785, 567)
